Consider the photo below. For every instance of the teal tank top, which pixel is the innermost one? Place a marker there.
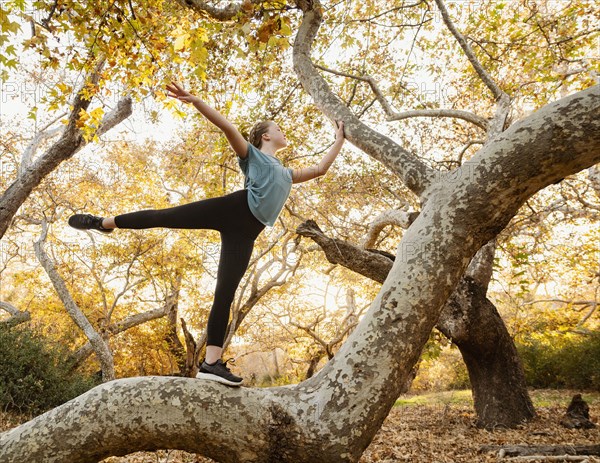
(268, 183)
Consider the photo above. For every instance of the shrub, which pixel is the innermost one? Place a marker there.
(567, 361)
(34, 375)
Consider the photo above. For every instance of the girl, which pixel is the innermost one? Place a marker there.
(239, 217)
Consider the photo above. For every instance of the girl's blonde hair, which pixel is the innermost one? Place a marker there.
(256, 133)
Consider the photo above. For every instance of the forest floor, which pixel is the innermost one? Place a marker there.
(439, 428)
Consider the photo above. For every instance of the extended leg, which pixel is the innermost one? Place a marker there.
(213, 213)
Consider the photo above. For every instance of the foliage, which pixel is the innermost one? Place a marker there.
(34, 375)
(568, 361)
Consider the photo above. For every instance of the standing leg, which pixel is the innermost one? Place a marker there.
(233, 263)
(236, 251)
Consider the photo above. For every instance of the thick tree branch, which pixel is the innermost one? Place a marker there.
(560, 139)
(69, 143)
(226, 13)
(371, 264)
(416, 175)
(481, 72)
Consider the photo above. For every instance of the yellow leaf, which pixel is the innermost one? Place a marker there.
(180, 41)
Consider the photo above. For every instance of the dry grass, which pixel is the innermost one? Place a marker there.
(434, 428)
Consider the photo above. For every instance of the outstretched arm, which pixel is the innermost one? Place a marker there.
(308, 173)
(235, 138)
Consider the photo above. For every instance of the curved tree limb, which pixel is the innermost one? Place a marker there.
(226, 13)
(396, 116)
(399, 217)
(453, 113)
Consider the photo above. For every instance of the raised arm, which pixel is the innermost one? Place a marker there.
(308, 173)
(235, 138)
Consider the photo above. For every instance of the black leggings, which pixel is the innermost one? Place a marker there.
(239, 228)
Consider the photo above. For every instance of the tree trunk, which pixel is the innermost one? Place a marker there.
(313, 363)
(497, 379)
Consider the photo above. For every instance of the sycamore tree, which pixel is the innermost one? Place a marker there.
(520, 140)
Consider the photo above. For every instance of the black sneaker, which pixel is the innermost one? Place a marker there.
(219, 372)
(88, 222)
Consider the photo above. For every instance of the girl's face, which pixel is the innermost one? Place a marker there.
(277, 136)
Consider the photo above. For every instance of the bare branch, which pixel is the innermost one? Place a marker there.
(398, 217)
(562, 301)
(383, 13)
(483, 74)
(100, 347)
(17, 316)
(466, 147)
(396, 116)
(133, 320)
(453, 113)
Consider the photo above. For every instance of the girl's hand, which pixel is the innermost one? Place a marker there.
(339, 133)
(176, 91)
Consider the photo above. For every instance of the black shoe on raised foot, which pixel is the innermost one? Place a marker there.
(219, 372)
(88, 222)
